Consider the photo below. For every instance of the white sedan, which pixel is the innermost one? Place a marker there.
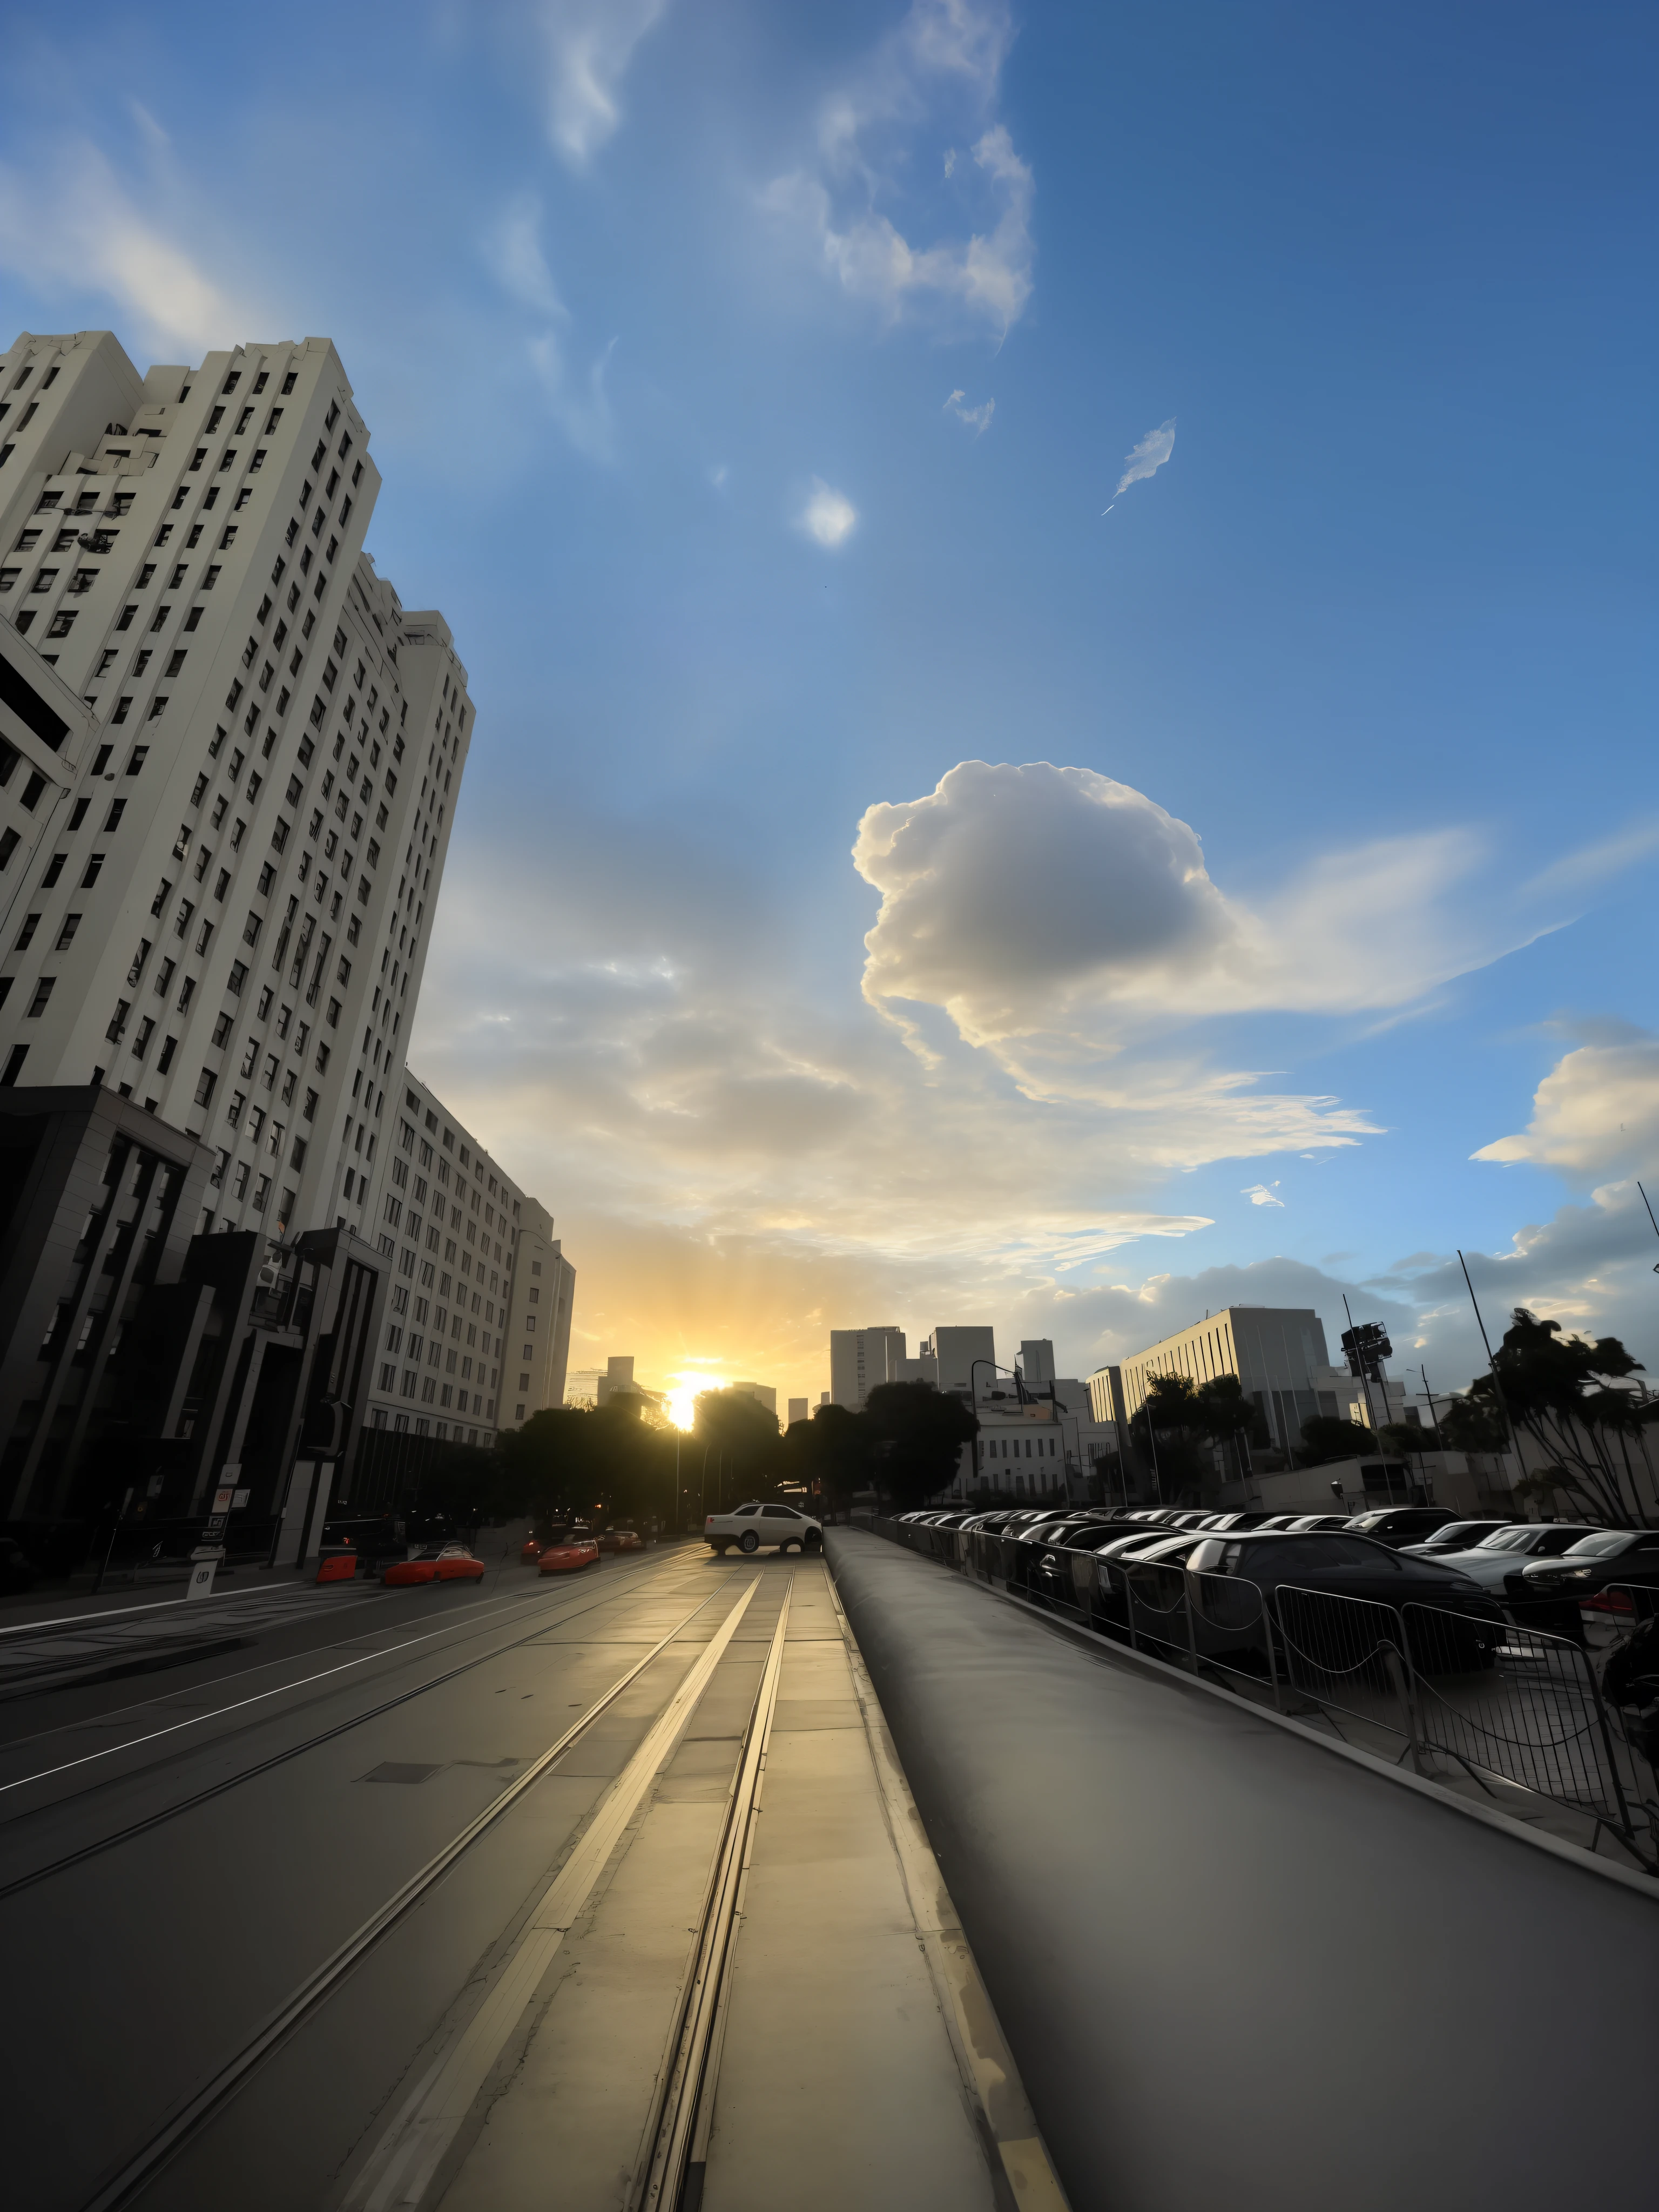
(750, 1526)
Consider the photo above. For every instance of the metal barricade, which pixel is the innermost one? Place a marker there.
(1513, 1702)
(1347, 1655)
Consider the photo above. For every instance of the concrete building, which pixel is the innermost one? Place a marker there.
(218, 869)
(617, 1381)
(1278, 1353)
(763, 1393)
(949, 1357)
(539, 1312)
(481, 1294)
(800, 1410)
(860, 1359)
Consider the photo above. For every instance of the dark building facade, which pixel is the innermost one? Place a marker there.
(144, 1363)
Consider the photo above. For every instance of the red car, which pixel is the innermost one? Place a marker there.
(621, 1540)
(568, 1550)
(531, 1552)
(433, 1563)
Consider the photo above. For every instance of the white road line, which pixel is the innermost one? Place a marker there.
(401, 2168)
(154, 1735)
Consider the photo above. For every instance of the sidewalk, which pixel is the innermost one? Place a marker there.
(839, 2082)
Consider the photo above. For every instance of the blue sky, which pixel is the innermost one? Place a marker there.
(749, 385)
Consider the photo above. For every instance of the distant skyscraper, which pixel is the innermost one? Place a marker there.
(799, 1410)
(763, 1393)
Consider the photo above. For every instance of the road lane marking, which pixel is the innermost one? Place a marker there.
(400, 2169)
(195, 1720)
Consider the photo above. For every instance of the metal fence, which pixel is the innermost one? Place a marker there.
(1496, 1700)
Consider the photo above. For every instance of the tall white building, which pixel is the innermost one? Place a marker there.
(229, 769)
(1278, 1355)
(476, 1330)
(224, 908)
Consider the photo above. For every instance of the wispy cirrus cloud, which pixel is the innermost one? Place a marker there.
(580, 402)
(1145, 458)
(942, 66)
(588, 46)
(978, 419)
(69, 225)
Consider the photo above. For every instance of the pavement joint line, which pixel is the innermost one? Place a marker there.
(1503, 1824)
(401, 2168)
(985, 2061)
(158, 1819)
(156, 1605)
(135, 2176)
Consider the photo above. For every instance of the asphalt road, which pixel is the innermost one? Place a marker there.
(1236, 1970)
(133, 1971)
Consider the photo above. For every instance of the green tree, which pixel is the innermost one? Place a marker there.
(740, 1449)
(1564, 1392)
(1325, 1438)
(917, 1435)
(828, 1456)
(1229, 1417)
(1172, 1435)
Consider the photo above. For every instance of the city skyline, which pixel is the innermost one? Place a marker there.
(887, 880)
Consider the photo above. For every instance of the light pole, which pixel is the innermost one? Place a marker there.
(1020, 1383)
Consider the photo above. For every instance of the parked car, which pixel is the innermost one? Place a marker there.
(569, 1550)
(1341, 1564)
(433, 1563)
(620, 1539)
(1495, 1557)
(750, 1526)
(1459, 1536)
(1401, 1524)
(1251, 1520)
(1608, 1555)
(1302, 1523)
(1063, 1571)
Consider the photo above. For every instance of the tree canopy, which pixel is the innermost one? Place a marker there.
(917, 1434)
(1564, 1392)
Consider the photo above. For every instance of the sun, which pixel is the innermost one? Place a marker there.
(682, 1399)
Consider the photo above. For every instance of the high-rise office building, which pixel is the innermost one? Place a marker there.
(225, 910)
(544, 1298)
(481, 1296)
(228, 773)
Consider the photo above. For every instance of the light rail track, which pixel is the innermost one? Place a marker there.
(546, 1617)
(126, 2185)
(669, 2174)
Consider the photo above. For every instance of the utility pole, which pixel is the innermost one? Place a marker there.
(1497, 1379)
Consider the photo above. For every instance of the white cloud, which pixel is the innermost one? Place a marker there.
(1595, 864)
(978, 419)
(1147, 457)
(1594, 1114)
(945, 52)
(589, 46)
(1049, 901)
(829, 517)
(580, 405)
(1261, 1193)
(513, 250)
(70, 226)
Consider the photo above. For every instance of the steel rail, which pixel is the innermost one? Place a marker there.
(550, 1618)
(677, 2127)
(192, 2113)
